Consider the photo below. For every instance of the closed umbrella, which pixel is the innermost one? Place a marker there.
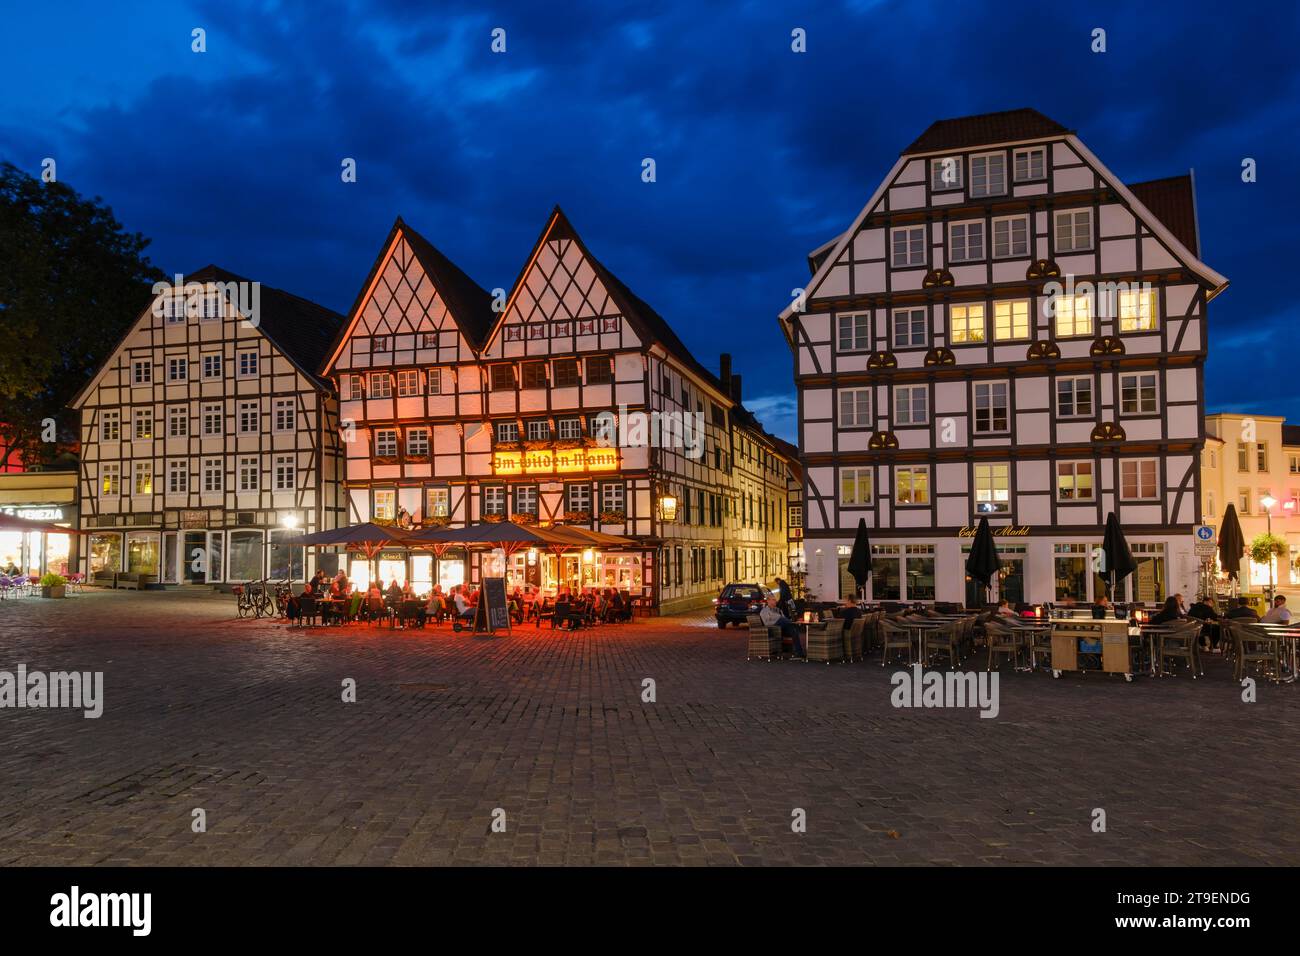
(1115, 549)
(982, 562)
(860, 556)
(1232, 544)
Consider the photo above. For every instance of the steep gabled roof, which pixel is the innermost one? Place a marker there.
(1173, 201)
(965, 132)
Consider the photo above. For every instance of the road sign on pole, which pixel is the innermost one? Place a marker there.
(1207, 541)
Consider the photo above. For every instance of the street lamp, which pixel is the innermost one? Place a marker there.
(1268, 501)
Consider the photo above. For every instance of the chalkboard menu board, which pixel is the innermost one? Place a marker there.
(493, 611)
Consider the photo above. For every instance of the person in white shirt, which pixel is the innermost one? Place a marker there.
(771, 617)
(1278, 613)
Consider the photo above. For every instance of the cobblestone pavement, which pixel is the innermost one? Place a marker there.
(245, 720)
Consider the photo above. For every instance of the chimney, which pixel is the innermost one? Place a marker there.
(735, 389)
(724, 369)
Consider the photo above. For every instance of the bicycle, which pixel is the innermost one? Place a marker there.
(251, 598)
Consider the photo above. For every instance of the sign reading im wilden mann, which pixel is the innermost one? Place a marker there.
(561, 460)
(1005, 531)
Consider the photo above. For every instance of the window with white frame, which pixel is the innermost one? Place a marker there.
(143, 478)
(247, 367)
(539, 429)
(577, 497)
(417, 442)
(988, 175)
(110, 480)
(1137, 479)
(1137, 311)
(211, 415)
(1293, 463)
(1074, 481)
(966, 324)
(908, 246)
(437, 502)
(212, 474)
(612, 496)
(911, 405)
(284, 417)
(178, 370)
(141, 373)
(1073, 315)
(384, 503)
(1074, 396)
(1261, 456)
(507, 431)
(1030, 164)
(1010, 237)
(966, 241)
(856, 486)
(494, 499)
(178, 421)
(992, 488)
(110, 426)
(286, 478)
(1138, 394)
(912, 485)
(855, 332)
(381, 385)
(434, 381)
(525, 499)
(1011, 320)
(174, 309)
(909, 328)
(212, 365)
(992, 407)
(855, 407)
(569, 428)
(355, 386)
(945, 173)
(408, 383)
(386, 442)
(247, 473)
(248, 418)
(1073, 230)
(143, 421)
(211, 307)
(178, 477)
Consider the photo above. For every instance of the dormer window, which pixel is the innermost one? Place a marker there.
(1030, 164)
(988, 175)
(945, 174)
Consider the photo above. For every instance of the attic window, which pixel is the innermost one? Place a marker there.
(429, 340)
(945, 173)
(379, 343)
(1030, 164)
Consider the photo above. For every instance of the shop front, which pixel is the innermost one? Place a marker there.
(49, 497)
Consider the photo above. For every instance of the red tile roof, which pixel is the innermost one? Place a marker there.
(1173, 202)
(986, 128)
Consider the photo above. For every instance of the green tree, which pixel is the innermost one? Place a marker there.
(72, 280)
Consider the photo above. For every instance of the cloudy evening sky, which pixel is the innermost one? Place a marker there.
(233, 156)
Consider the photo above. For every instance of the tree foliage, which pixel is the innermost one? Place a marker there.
(72, 280)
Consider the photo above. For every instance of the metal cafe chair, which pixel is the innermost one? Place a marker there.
(1182, 642)
(307, 611)
(1259, 650)
(893, 637)
(943, 640)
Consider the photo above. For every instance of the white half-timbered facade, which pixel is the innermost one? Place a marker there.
(207, 441)
(1006, 329)
(459, 408)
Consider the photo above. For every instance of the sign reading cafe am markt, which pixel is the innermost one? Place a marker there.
(1008, 531)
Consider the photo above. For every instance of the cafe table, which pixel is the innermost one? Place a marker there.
(917, 630)
(1289, 636)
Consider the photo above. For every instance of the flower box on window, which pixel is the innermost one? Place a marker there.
(524, 517)
(613, 517)
(577, 517)
(494, 518)
(437, 521)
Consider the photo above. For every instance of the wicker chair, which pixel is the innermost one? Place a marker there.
(764, 641)
(855, 638)
(1002, 640)
(944, 640)
(826, 643)
(1258, 651)
(1182, 643)
(894, 636)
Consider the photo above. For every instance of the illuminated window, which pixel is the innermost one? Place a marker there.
(110, 481)
(143, 419)
(1074, 481)
(437, 502)
(966, 324)
(1073, 315)
(385, 504)
(143, 478)
(912, 485)
(1137, 311)
(992, 489)
(856, 486)
(1011, 320)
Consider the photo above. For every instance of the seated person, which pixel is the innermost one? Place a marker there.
(436, 606)
(1278, 613)
(849, 610)
(394, 592)
(1203, 610)
(771, 617)
(1005, 610)
(464, 607)
(1243, 611)
(1102, 608)
(1170, 613)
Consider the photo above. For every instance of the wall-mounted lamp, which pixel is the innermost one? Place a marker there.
(668, 507)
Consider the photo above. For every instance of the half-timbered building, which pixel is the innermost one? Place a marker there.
(1008, 330)
(207, 439)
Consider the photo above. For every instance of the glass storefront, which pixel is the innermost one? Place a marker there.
(886, 577)
(105, 552)
(142, 552)
(1147, 583)
(920, 572)
(245, 551)
(284, 562)
(451, 570)
(1008, 584)
(34, 552)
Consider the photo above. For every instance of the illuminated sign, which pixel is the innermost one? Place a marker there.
(49, 513)
(1007, 531)
(548, 461)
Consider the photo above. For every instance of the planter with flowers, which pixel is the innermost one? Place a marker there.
(613, 517)
(494, 518)
(523, 517)
(1263, 548)
(53, 585)
(577, 517)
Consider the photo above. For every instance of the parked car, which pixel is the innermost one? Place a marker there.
(738, 601)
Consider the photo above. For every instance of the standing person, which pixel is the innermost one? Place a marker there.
(342, 581)
(771, 617)
(785, 597)
(1203, 610)
(1278, 613)
(318, 581)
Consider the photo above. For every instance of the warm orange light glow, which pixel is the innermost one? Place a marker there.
(550, 460)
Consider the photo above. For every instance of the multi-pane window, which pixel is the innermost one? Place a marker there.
(539, 429)
(178, 421)
(1074, 481)
(143, 478)
(437, 502)
(385, 504)
(1137, 394)
(379, 343)
(908, 246)
(1010, 237)
(248, 415)
(386, 442)
(1261, 456)
(212, 365)
(174, 310)
(912, 485)
(212, 474)
(855, 332)
(578, 497)
(248, 473)
(569, 428)
(356, 387)
(110, 426)
(247, 367)
(565, 372)
(945, 173)
(1243, 500)
(211, 415)
(1137, 479)
(285, 473)
(1073, 315)
(911, 405)
(381, 385)
(211, 307)
(428, 340)
(110, 481)
(611, 496)
(1293, 464)
(178, 370)
(507, 431)
(855, 407)
(988, 175)
(534, 374)
(600, 370)
(143, 418)
(909, 328)
(1030, 164)
(417, 442)
(408, 383)
(992, 407)
(502, 377)
(966, 241)
(283, 417)
(1011, 320)
(526, 499)
(141, 373)
(433, 379)
(1243, 456)
(1137, 311)
(494, 499)
(1074, 230)
(966, 324)
(1074, 396)
(178, 477)
(856, 486)
(992, 488)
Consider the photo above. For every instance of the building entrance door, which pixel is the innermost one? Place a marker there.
(194, 558)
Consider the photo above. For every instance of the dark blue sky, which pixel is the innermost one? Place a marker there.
(232, 156)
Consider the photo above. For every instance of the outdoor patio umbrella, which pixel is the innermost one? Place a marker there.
(368, 537)
(983, 562)
(1232, 544)
(1119, 559)
(860, 556)
(505, 535)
